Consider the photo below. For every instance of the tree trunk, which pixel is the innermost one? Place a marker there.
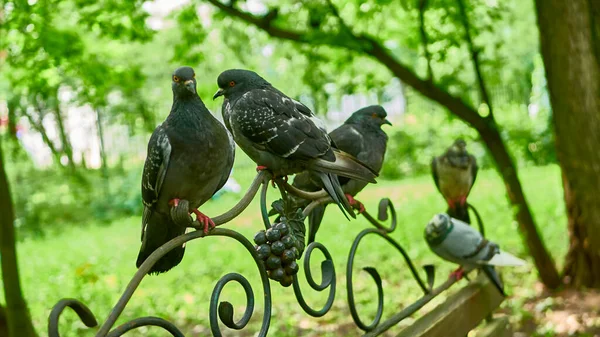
(3, 323)
(103, 160)
(17, 314)
(569, 43)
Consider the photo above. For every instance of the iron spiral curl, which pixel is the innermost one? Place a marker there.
(328, 280)
(385, 207)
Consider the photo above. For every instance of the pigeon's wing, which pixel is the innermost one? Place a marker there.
(464, 244)
(434, 173)
(474, 169)
(349, 140)
(274, 122)
(155, 169)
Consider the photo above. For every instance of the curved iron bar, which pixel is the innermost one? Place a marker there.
(225, 309)
(177, 242)
(261, 178)
(263, 206)
(306, 211)
(385, 205)
(300, 193)
(146, 321)
(427, 289)
(84, 313)
(327, 280)
(479, 221)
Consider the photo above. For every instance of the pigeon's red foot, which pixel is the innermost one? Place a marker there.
(355, 203)
(205, 220)
(463, 200)
(458, 273)
(174, 202)
(261, 168)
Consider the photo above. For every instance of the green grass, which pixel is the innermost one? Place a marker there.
(93, 263)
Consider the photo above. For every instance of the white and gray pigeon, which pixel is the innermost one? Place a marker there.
(190, 156)
(454, 174)
(282, 135)
(456, 241)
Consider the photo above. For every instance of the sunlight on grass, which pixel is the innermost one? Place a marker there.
(93, 263)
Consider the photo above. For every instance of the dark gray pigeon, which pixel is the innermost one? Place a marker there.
(456, 241)
(282, 135)
(454, 174)
(361, 135)
(190, 156)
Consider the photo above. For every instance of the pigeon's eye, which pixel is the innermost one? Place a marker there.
(374, 115)
(232, 83)
(175, 78)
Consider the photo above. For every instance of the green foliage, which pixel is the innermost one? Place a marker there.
(427, 131)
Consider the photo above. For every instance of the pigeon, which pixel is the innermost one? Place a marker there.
(456, 241)
(190, 156)
(454, 174)
(361, 135)
(282, 135)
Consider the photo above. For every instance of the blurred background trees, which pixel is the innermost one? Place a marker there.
(82, 84)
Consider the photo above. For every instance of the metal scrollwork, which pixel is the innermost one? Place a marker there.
(290, 223)
(385, 206)
(328, 280)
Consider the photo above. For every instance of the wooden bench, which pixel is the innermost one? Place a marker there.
(462, 312)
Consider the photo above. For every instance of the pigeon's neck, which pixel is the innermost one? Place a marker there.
(370, 127)
(434, 241)
(189, 111)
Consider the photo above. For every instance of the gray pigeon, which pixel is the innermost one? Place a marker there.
(361, 135)
(454, 174)
(282, 135)
(456, 241)
(190, 156)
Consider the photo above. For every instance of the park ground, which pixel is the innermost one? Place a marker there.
(93, 262)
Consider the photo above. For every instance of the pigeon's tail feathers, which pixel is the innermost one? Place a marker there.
(345, 165)
(491, 273)
(460, 212)
(332, 185)
(159, 230)
(314, 221)
(505, 259)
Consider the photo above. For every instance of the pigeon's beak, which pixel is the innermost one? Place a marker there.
(385, 121)
(189, 85)
(219, 92)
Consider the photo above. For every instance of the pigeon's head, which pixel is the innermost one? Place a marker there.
(457, 154)
(237, 82)
(437, 227)
(370, 115)
(184, 82)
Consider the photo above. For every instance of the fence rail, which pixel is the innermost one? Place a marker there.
(223, 311)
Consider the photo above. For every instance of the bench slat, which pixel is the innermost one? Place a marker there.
(499, 327)
(460, 313)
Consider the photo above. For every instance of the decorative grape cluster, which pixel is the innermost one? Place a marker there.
(277, 246)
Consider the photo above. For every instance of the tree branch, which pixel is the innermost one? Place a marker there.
(485, 98)
(368, 45)
(422, 7)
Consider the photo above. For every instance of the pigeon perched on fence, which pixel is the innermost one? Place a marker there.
(282, 135)
(456, 241)
(361, 135)
(454, 174)
(190, 156)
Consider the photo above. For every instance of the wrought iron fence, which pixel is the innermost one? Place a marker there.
(223, 310)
